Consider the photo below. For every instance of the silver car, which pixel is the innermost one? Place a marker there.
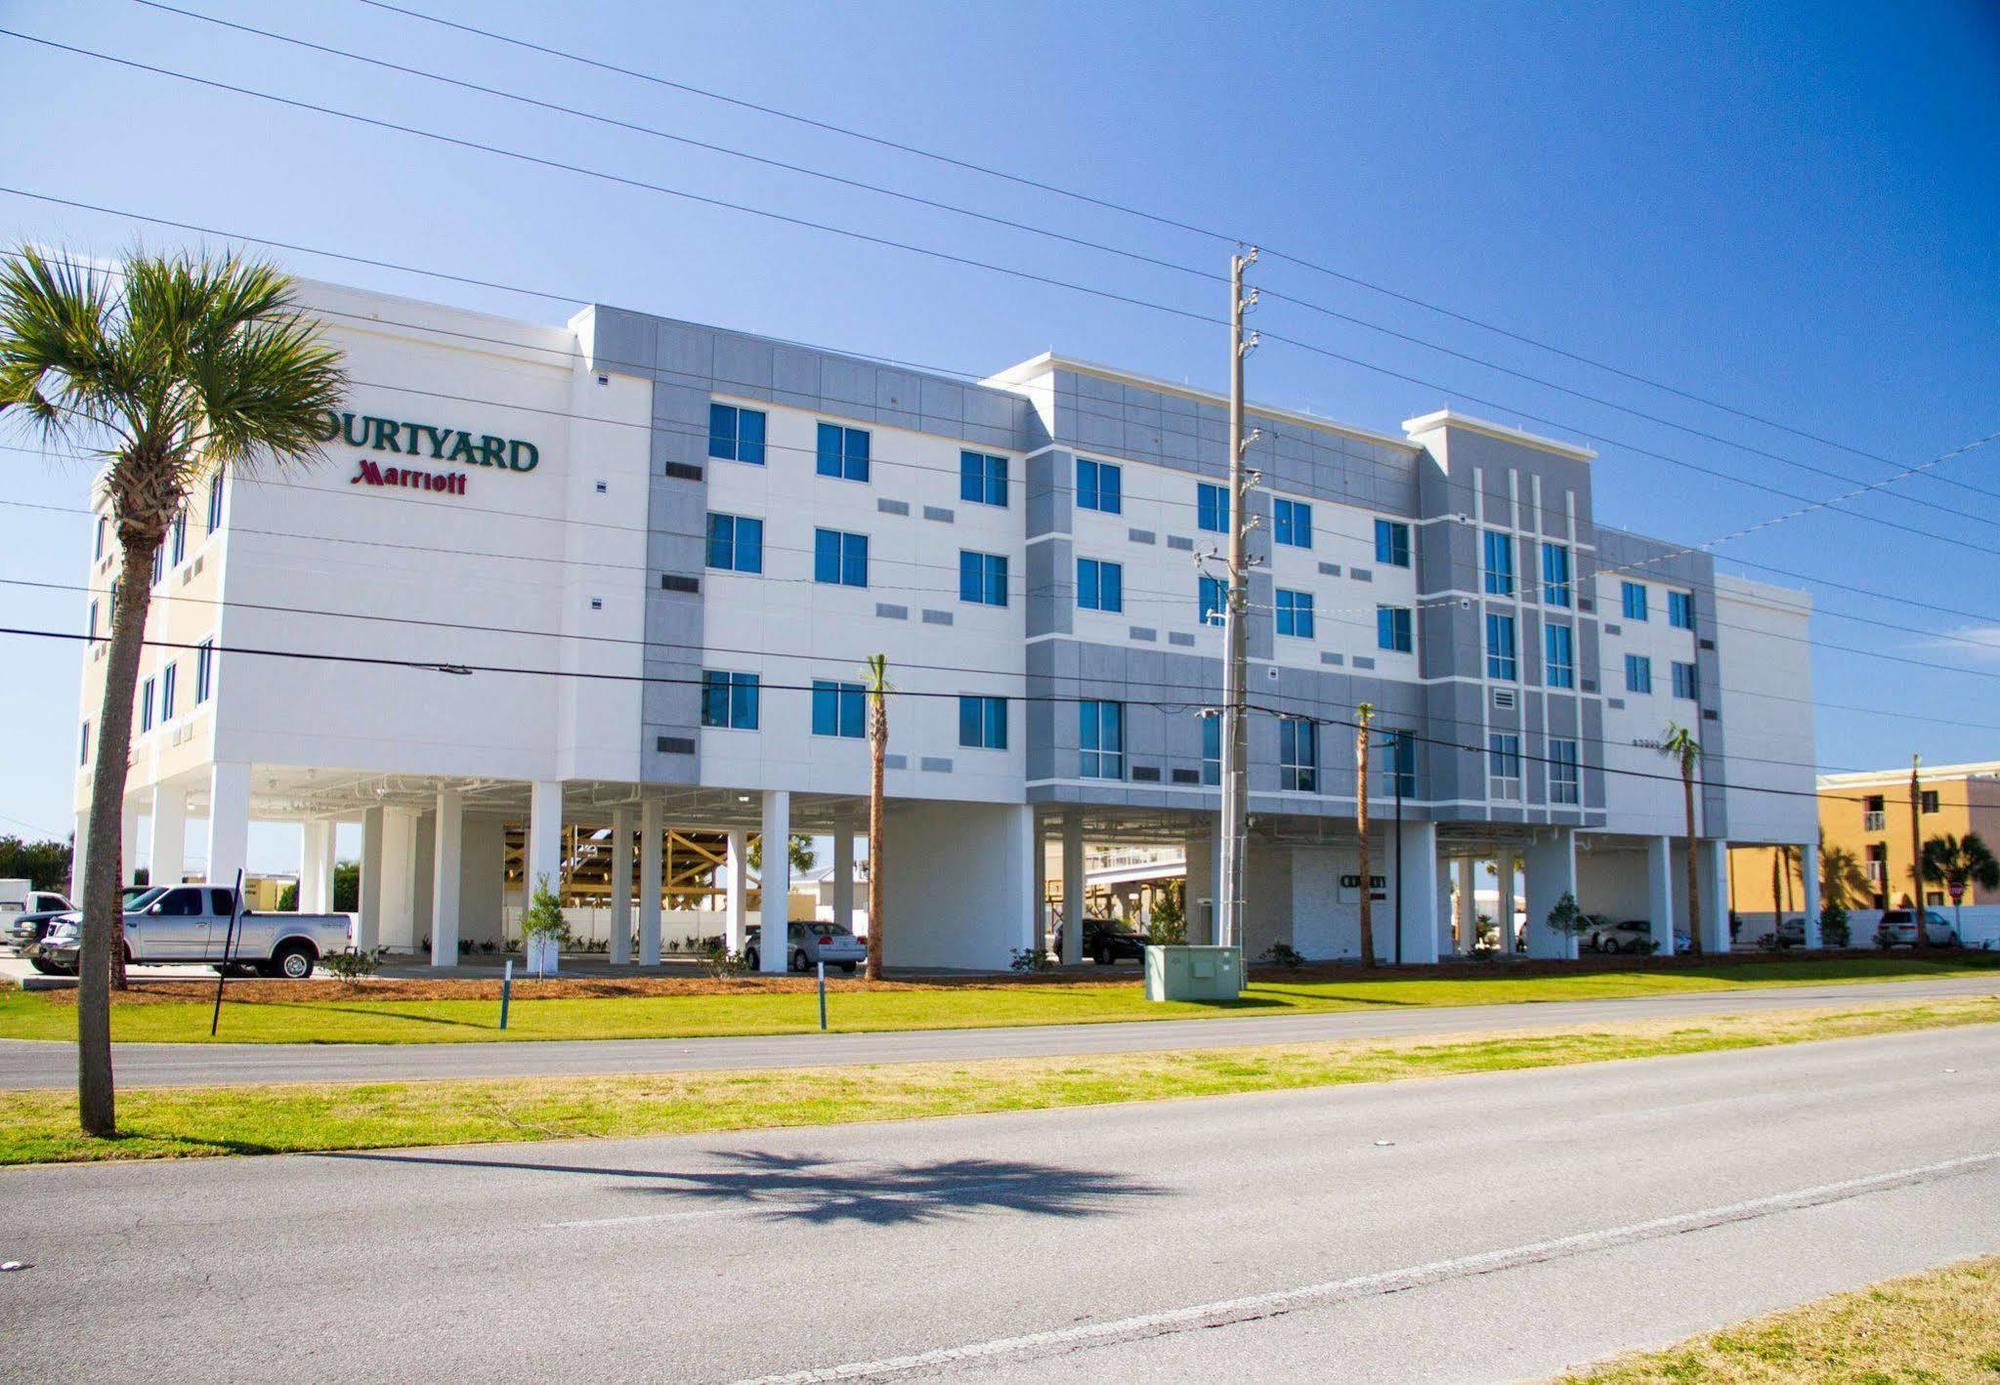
(811, 944)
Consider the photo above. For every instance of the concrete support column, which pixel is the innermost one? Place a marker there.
(651, 828)
(1024, 851)
(1444, 917)
(843, 873)
(1660, 893)
(545, 836)
(1509, 944)
(447, 861)
(167, 862)
(774, 949)
(1072, 882)
(368, 917)
(128, 843)
(1713, 877)
(1417, 886)
(228, 820)
(316, 866)
(1809, 880)
(621, 887)
(1199, 904)
(739, 889)
(1468, 905)
(1551, 874)
(396, 926)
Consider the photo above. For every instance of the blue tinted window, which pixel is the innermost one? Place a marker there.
(982, 578)
(167, 693)
(1211, 750)
(1295, 614)
(735, 543)
(146, 706)
(1211, 599)
(1563, 762)
(204, 670)
(736, 435)
(843, 452)
(730, 700)
(1687, 682)
(1100, 586)
(838, 709)
(215, 502)
(1499, 563)
(1500, 655)
(1635, 601)
(1100, 486)
(1392, 543)
(1680, 610)
(1211, 505)
(840, 559)
(1101, 738)
(1292, 523)
(1392, 629)
(1559, 651)
(1638, 673)
(1401, 764)
(1555, 574)
(1298, 754)
(982, 722)
(982, 479)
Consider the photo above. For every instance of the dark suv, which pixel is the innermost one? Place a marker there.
(1106, 941)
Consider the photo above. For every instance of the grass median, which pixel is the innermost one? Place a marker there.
(1943, 1325)
(261, 1012)
(179, 1121)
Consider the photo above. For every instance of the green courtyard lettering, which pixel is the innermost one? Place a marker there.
(462, 446)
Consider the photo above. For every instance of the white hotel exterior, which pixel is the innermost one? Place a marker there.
(589, 523)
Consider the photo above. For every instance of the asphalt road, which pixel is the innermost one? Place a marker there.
(1481, 1228)
(26, 1064)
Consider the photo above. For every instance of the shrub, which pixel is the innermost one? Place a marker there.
(719, 960)
(1833, 929)
(1284, 955)
(352, 964)
(543, 918)
(1030, 959)
(1168, 924)
(1567, 918)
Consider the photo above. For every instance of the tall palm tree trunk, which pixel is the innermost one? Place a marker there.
(102, 943)
(1693, 872)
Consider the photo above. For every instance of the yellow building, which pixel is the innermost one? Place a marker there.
(1868, 814)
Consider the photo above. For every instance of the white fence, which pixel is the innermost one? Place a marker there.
(1978, 925)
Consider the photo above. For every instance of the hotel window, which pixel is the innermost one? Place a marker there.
(1101, 740)
(1559, 656)
(1393, 629)
(1401, 764)
(1686, 682)
(1503, 766)
(843, 452)
(982, 578)
(838, 709)
(982, 723)
(1298, 754)
(146, 706)
(83, 746)
(180, 532)
(1563, 779)
(1211, 750)
(1500, 657)
(1638, 673)
(1100, 586)
(1555, 575)
(159, 563)
(215, 502)
(1295, 614)
(1211, 507)
(167, 676)
(1392, 543)
(97, 548)
(1292, 523)
(1680, 610)
(840, 559)
(1211, 599)
(1499, 564)
(729, 700)
(982, 478)
(736, 435)
(1100, 486)
(1635, 601)
(735, 543)
(1928, 800)
(204, 670)
(93, 620)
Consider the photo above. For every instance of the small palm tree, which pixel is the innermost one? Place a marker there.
(1679, 744)
(168, 369)
(1843, 882)
(877, 672)
(1955, 863)
(1364, 714)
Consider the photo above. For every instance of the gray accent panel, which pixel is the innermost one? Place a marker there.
(1331, 658)
(1363, 661)
(895, 762)
(1140, 535)
(1181, 542)
(1361, 574)
(938, 617)
(1051, 493)
(1179, 637)
(888, 612)
(1145, 633)
(891, 507)
(934, 764)
(940, 514)
(1329, 569)
(1051, 581)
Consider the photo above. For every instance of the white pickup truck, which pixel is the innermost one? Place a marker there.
(190, 923)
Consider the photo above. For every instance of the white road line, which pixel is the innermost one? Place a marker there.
(1226, 1311)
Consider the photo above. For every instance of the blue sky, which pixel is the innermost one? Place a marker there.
(1791, 209)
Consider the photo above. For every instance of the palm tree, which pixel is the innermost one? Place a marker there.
(1364, 714)
(877, 672)
(1679, 744)
(1956, 862)
(188, 366)
(1842, 879)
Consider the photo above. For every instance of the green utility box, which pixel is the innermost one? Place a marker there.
(1194, 973)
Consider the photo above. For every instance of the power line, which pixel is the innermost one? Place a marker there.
(1226, 237)
(965, 261)
(379, 62)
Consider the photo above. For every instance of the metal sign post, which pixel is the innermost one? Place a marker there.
(228, 951)
(506, 991)
(822, 994)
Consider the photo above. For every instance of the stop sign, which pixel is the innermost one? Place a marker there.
(1957, 888)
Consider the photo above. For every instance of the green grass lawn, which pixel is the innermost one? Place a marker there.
(1940, 1326)
(39, 1015)
(161, 1122)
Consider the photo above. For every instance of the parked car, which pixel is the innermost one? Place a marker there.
(1789, 933)
(23, 927)
(811, 943)
(1631, 935)
(191, 923)
(1106, 942)
(1899, 929)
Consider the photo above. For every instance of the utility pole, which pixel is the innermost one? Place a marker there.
(1917, 853)
(1235, 737)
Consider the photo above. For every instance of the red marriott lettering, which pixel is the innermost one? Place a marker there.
(372, 475)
